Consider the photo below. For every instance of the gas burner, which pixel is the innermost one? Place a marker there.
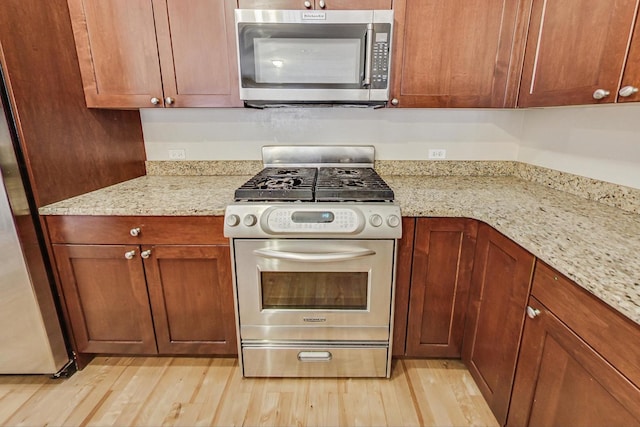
(286, 172)
(353, 183)
(350, 172)
(277, 183)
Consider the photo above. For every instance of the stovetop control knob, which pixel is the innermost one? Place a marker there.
(250, 220)
(375, 220)
(393, 221)
(233, 220)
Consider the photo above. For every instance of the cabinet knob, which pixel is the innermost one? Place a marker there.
(627, 91)
(135, 232)
(532, 312)
(155, 101)
(130, 254)
(145, 254)
(601, 94)
(169, 100)
(395, 101)
(322, 4)
(307, 4)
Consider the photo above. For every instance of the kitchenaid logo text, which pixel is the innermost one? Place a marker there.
(314, 319)
(314, 16)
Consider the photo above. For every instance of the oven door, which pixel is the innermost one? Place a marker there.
(321, 290)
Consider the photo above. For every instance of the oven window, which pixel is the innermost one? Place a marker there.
(315, 290)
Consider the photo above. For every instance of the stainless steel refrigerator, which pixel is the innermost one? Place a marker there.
(31, 338)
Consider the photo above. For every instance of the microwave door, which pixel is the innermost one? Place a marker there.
(298, 62)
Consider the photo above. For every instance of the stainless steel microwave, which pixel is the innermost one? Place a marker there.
(314, 56)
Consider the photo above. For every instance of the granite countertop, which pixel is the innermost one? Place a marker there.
(593, 244)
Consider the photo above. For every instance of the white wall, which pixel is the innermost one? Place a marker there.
(601, 142)
(397, 134)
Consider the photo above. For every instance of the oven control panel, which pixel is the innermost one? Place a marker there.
(288, 220)
(365, 220)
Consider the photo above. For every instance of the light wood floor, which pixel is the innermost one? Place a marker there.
(165, 391)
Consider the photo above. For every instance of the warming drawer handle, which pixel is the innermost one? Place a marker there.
(315, 356)
(313, 257)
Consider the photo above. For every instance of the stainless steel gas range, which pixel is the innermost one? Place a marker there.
(313, 243)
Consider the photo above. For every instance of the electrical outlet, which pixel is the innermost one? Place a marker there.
(438, 154)
(177, 154)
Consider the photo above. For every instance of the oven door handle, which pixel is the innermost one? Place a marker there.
(313, 257)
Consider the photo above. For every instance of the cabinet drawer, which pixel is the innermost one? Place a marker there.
(266, 361)
(612, 335)
(152, 230)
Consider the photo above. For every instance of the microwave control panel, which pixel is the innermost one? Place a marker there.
(380, 65)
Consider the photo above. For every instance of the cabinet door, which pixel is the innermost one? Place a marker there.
(197, 47)
(500, 286)
(630, 86)
(574, 49)
(561, 381)
(403, 285)
(442, 264)
(106, 298)
(117, 52)
(455, 53)
(191, 294)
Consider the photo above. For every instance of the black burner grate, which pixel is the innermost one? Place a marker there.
(272, 184)
(351, 184)
(331, 184)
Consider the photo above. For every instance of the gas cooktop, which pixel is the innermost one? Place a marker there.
(323, 184)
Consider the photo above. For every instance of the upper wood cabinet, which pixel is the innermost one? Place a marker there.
(576, 52)
(155, 53)
(456, 53)
(315, 4)
(630, 85)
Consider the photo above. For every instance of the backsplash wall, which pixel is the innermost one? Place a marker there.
(397, 134)
(601, 142)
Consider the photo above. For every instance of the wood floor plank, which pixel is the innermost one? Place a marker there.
(183, 391)
(15, 392)
(129, 392)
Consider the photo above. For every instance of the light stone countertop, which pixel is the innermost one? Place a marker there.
(595, 245)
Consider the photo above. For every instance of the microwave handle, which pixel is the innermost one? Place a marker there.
(369, 56)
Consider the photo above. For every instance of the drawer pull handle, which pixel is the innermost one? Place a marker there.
(145, 254)
(130, 254)
(315, 356)
(532, 312)
(135, 232)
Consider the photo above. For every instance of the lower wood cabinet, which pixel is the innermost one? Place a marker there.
(106, 298)
(404, 263)
(579, 361)
(500, 287)
(146, 298)
(443, 253)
